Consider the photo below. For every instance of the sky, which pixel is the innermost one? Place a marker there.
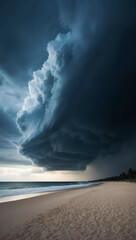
(67, 89)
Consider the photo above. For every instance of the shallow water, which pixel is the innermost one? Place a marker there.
(10, 191)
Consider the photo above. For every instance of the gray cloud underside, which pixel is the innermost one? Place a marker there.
(81, 103)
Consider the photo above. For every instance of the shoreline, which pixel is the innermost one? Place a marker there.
(15, 213)
(10, 198)
(21, 197)
(106, 211)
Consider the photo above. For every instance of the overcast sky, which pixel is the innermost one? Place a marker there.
(67, 89)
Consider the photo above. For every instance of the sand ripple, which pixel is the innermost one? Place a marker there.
(106, 213)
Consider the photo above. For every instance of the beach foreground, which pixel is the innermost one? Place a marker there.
(103, 212)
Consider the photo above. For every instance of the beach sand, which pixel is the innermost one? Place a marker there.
(103, 212)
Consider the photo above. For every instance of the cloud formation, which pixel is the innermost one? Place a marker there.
(81, 103)
(25, 29)
(24, 33)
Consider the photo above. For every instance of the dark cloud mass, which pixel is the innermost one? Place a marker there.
(25, 29)
(9, 136)
(81, 103)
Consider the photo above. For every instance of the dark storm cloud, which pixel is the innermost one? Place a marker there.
(7, 124)
(8, 132)
(25, 29)
(81, 103)
(9, 137)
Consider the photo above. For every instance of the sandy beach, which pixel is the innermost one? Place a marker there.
(103, 212)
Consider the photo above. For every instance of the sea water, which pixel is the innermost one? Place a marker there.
(18, 190)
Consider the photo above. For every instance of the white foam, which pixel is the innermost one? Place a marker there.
(17, 194)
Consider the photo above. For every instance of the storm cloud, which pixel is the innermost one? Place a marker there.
(25, 29)
(81, 103)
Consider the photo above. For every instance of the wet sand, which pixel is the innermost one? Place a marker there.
(103, 212)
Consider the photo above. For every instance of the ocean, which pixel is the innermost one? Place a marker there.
(10, 191)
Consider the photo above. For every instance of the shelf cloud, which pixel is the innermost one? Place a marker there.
(81, 103)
